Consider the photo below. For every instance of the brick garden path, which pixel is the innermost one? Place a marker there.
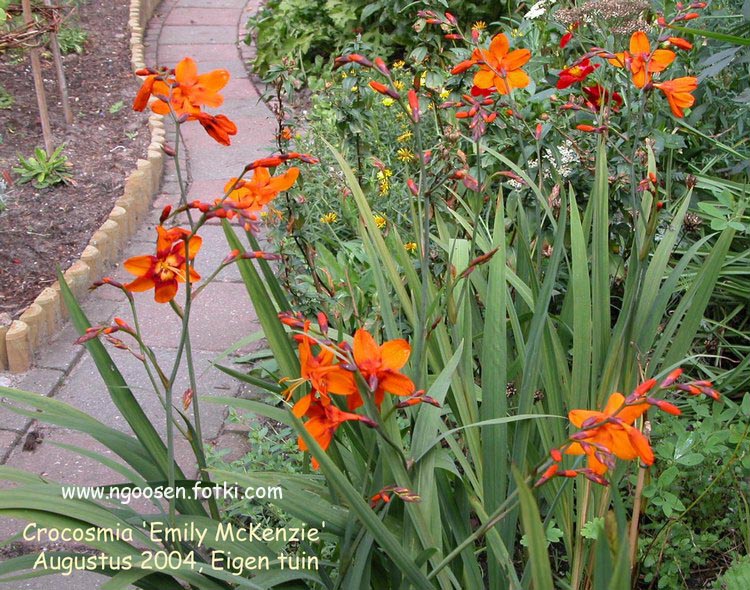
(209, 31)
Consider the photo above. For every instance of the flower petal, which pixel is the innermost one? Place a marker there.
(366, 349)
(396, 384)
(484, 78)
(140, 265)
(499, 46)
(516, 59)
(395, 354)
(186, 72)
(639, 43)
(165, 291)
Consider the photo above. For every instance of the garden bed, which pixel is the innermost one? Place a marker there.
(41, 229)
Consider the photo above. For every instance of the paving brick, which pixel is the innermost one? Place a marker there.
(213, 3)
(171, 54)
(221, 315)
(231, 445)
(215, 249)
(62, 465)
(85, 390)
(8, 439)
(38, 380)
(203, 17)
(198, 36)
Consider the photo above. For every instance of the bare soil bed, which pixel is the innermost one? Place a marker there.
(42, 229)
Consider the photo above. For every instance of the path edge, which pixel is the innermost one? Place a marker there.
(43, 319)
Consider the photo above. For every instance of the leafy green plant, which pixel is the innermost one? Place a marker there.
(690, 521)
(737, 577)
(116, 107)
(44, 170)
(6, 99)
(72, 39)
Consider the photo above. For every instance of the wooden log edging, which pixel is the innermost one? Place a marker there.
(44, 317)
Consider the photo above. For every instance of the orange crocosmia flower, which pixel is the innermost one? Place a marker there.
(257, 192)
(324, 375)
(191, 91)
(380, 366)
(678, 94)
(641, 61)
(500, 67)
(219, 127)
(165, 270)
(615, 434)
(322, 424)
(141, 99)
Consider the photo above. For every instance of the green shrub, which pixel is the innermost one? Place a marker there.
(72, 39)
(44, 170)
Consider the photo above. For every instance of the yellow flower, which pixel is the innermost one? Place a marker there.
(380, 221)
(355, 88)
(444, 93)
(398, 84)
(404, 136)
(399, 65)
(329, 218)
(423, 79)
(410, 247)
(384, 174)
(480, 25)
(388, 101)
(405, 155)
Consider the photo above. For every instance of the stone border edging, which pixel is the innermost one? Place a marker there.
(44, 317)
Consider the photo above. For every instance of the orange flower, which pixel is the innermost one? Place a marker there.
(380, 366)
(323, 374)
(192, 90)
(144, 93)
(323, 422)
(610, 432)
(219, 127)
(500, 67)
(641, 61)
(257, 192)
(165, 270)
(678, 94)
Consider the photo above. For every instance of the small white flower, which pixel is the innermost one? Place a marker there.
(538, 9)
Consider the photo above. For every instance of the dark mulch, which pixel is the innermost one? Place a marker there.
(44, 228)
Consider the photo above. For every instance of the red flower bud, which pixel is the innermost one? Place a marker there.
(671, 378)
(382, 68)
(414, 105)
(165, 214)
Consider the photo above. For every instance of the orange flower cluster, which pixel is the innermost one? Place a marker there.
(246, 197)
(184, 92)
(174, 248)
(610, 434)
(499, 68)
(331, 370)
(500, 71)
